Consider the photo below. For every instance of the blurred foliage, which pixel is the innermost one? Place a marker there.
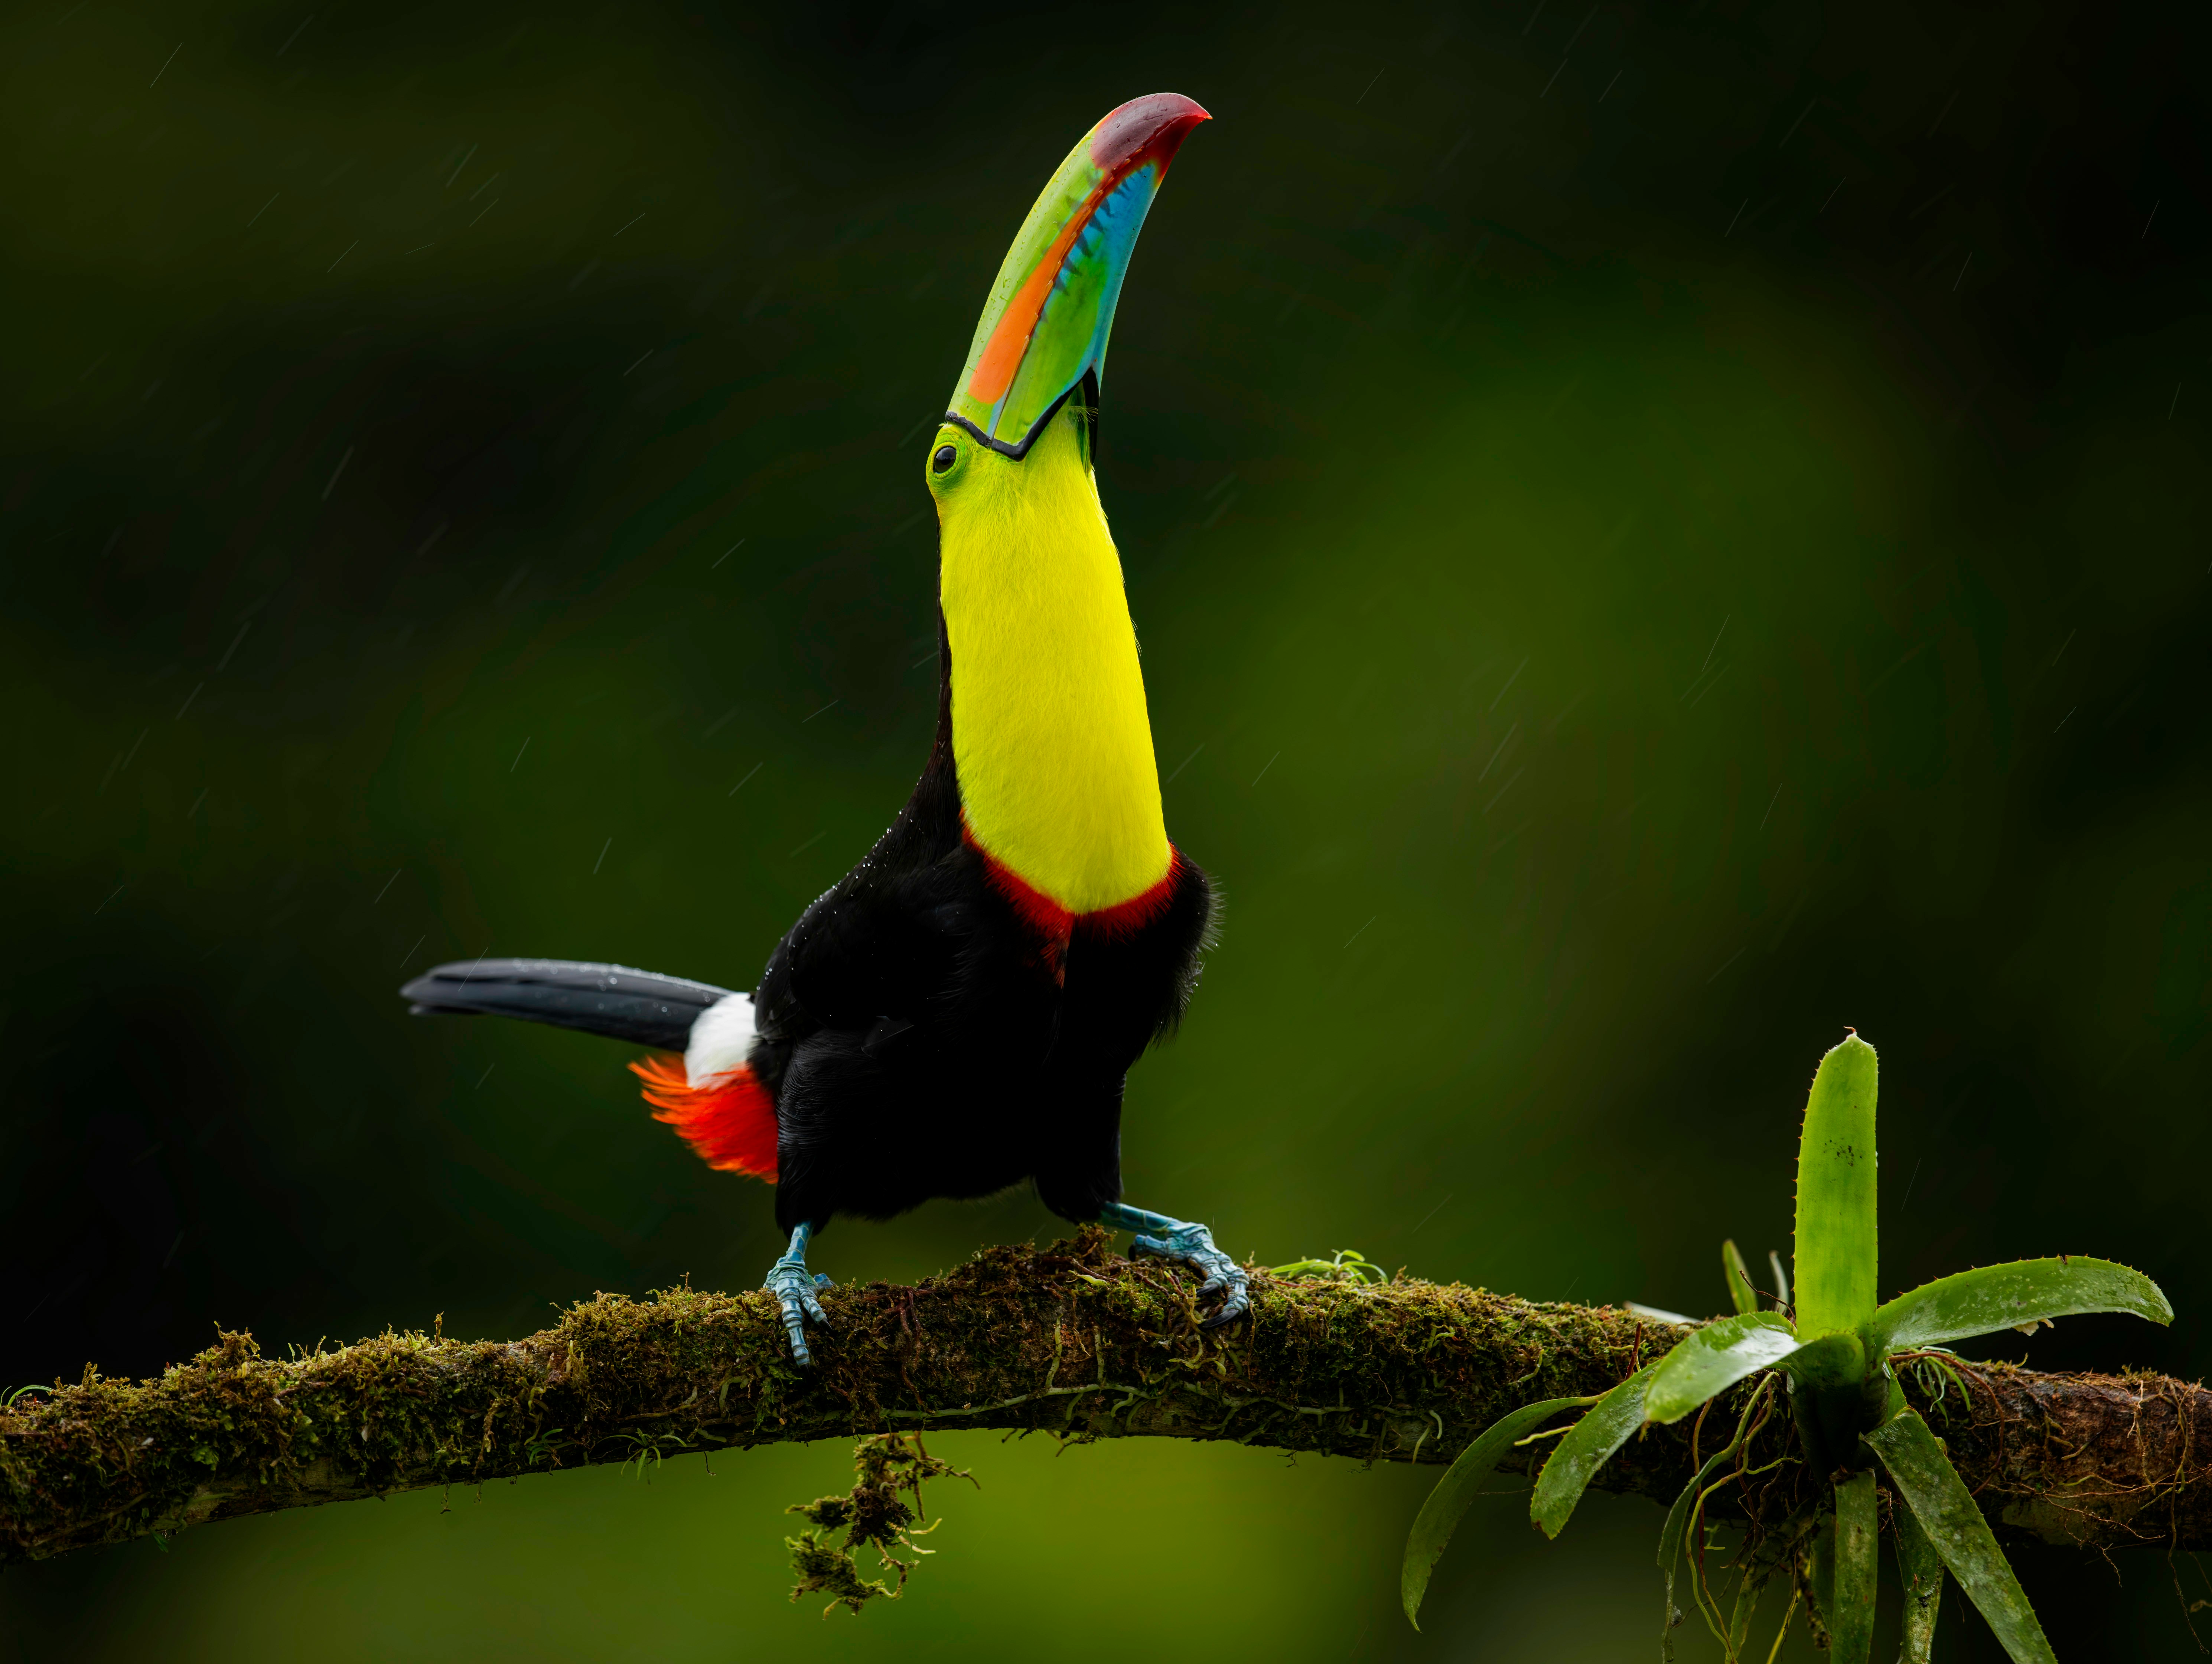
(1655, 536)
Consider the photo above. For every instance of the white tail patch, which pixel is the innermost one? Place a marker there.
(721, 1039)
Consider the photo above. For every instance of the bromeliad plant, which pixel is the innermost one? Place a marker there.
(1833, 1359)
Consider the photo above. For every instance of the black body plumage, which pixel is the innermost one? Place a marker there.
(918, 1044)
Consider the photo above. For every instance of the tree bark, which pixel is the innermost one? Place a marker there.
(1069, 1340)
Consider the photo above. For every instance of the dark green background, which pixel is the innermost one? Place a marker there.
(1657, 533)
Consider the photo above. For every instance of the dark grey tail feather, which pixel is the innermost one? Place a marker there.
(613, 1000)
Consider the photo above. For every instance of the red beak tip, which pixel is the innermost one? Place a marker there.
(1157, 123)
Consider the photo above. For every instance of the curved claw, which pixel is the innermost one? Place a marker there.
(1192, 1245)
(793, 1287)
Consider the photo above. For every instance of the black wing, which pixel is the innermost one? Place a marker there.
(613, 1000)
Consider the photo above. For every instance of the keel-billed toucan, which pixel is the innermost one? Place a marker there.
(956, 1015)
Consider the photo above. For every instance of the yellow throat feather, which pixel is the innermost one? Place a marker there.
(1050, 733)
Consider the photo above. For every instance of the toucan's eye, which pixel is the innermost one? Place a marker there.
(944, 458)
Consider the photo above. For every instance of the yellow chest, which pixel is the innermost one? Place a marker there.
(1049, 728)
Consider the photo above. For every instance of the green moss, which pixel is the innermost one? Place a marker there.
(873, 1514)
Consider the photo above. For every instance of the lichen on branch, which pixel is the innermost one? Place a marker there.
(1069, 1340)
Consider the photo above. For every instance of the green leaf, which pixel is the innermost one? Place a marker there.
(1713, 1360)
(1832, 1360)
(1741, 1293)
(1830, 1376)
(1740, 1616)
(1851, 1617)
(1585, 1450)
(1822, 1570)
(1836, 1263)
(1940, 1501)
(1920, 1570)
(1440, 1515)
(1670, 1543)
(1993, 1297)
(1765, 1559)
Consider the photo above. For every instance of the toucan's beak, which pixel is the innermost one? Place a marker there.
(1043, 332)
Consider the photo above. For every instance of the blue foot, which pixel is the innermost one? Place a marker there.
(793, 1287)
(1192, 1244)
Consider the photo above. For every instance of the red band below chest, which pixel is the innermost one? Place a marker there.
(1055, 926)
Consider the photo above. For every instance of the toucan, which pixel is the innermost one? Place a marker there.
(957, 1015)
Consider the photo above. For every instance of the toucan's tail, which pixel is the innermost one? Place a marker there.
(613, 1000)
(709, 1094)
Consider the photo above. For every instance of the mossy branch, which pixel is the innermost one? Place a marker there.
(1069, 1340)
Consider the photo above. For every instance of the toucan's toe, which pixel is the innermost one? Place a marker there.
(793, 1287)
(1235, 1306)
(1235, 1289)
(1192, 1245)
